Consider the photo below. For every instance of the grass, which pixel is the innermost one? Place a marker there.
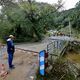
(73, 57)
(59, 71)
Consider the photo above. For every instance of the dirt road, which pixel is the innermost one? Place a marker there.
(26, 64)
(33, 46)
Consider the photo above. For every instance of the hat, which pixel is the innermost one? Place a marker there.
(11, 36)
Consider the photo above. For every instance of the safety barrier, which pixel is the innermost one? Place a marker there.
(56, 49)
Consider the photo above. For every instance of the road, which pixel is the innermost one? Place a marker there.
(26, 63)
(36, 46)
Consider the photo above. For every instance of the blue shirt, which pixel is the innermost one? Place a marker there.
(10, 45)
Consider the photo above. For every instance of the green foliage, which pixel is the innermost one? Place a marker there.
(30, 20)
(26, 20)
(72, 15)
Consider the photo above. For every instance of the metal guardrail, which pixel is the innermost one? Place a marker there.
(56, 48)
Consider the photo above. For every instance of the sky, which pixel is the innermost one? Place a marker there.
(67, 3)
(0, 7)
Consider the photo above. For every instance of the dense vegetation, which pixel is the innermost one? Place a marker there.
(29, 20)
(71, 15)
(26, 20)
(60, 71)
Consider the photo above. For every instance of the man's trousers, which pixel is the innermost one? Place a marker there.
(10, 59)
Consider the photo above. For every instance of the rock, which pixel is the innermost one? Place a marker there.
(35, 54)
(3, 72)
(28, 52)
(49, 69)
(29, 62)
(5, 56)
(24, 51)
(31, 77)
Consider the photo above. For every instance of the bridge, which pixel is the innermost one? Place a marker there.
(58, 45)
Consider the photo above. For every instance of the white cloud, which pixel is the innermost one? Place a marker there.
(48, 1)
(0, 7)
(68, 3)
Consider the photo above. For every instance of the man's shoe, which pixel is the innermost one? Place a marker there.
(12, 67)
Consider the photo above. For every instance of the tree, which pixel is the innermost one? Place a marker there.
(28, 19)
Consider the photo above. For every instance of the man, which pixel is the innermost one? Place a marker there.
(10, 50)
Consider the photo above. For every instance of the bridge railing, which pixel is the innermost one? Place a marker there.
(55, 48)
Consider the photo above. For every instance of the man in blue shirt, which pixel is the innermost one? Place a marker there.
(10, 50)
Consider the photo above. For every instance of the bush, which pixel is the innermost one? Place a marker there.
(60, 71)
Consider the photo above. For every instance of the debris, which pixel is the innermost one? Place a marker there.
(35, 54)
(24, 51)
(28, 52)
(3, 72)
(29, 62)
(19, 50)
(49, 69)
(32, 78)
